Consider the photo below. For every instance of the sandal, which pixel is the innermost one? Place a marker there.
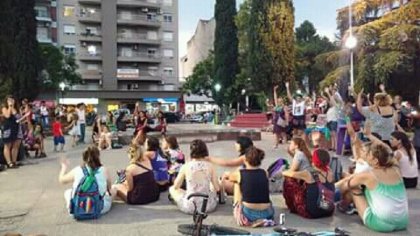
(12, 166)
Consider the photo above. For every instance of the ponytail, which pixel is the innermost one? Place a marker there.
(91, 157)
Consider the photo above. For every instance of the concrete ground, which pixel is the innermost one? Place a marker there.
(31, 202)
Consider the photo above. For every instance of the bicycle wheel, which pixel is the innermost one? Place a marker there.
(221, 230)
(188, 229)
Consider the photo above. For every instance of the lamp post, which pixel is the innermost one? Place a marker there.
(351, 43)
(217, 88)
(62, 86)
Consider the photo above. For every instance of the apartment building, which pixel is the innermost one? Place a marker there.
(46, 17)
(127, 50)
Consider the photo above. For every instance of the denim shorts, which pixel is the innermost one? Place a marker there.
(58, 140)
(332, 126)
(253, 215)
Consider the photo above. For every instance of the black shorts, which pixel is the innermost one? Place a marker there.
(298, 122)
(410, 182)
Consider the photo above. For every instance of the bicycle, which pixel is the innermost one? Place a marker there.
(200, 229)
(283, 231)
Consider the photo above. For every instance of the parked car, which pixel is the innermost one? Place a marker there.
(171, 117)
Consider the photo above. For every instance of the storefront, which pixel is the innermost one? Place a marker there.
(152, 105)
(196, 103)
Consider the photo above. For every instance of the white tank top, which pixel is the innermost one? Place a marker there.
(408, 169)
(100, 179)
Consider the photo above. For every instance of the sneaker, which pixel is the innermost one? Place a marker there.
(348, 210)
(42, 155)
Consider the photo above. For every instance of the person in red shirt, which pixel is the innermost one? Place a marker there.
(58, 134)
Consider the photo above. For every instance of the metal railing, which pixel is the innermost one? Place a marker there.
(135, 36)
(139, 54)
(134, 17)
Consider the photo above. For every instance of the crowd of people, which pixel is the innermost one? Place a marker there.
(24, 126)
(385, 163)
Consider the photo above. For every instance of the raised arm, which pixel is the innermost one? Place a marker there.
(359, 102)
(330, 97)
(275, 95)
(289, 95)
(227, 163)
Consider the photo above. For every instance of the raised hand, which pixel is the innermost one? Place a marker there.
(382, 87)
(287, 84)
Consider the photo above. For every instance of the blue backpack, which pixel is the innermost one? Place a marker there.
(87, 202)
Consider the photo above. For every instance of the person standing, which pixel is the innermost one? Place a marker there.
(279, 120)
(12, 134)
(43, 110)
(81, 122)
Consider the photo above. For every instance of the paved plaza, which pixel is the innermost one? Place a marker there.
(31, 202)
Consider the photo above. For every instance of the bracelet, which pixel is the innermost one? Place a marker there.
(357, 194)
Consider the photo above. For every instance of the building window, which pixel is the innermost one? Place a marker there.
(69, 49)
(151, 17)
(168, 36)
(152, 35)
(167, 2)
(92, 50)
(92, 67)
(68, 11)
(69, 29)
(153, 70)
(168, 71)
(41, 11)
(167, 18)
(151, 51)
(169, 53)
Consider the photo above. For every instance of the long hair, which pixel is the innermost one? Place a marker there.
(244, 143)
(91, 157)
(135, 153)
(301, 144)
(405, 142)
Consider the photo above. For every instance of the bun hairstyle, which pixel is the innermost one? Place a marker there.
(91, 157)
(383, 154)
(254, 156)
(135, 153)
(382, 99)
(198, 149)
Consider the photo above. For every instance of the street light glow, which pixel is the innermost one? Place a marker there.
(217, 87)
(351, 42)
(62, 86)
(243, 91)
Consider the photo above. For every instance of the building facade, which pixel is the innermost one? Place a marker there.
(46, 17)
(198, 47)
(126, 50)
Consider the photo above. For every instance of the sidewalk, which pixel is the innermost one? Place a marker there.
(33, 203)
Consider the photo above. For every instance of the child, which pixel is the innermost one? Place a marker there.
(39, 139)
(176, 157)
(73, 129)
(58, 134)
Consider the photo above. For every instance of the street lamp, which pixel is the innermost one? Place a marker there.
(62, 86)
(351, 43)
(217, 87)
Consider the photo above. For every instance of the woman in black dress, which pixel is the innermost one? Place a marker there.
(12, 133)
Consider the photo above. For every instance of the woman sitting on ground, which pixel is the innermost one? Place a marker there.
(91, 162)
(139, 185)
(301, 154)
(305, 200)
(159, 162)
(242, 144)
(161, 125)
(39, 139)
(406, 155)
(200, 177)
(30, 143)
(105, 135)
(251, 193)
(378, 194)
(175, 155)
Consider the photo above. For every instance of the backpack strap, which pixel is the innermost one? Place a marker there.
(315, 175)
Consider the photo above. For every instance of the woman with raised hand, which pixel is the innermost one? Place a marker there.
(12, 132)
(407, 158)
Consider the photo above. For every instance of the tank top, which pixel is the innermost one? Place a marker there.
(254, 186)
(408, 169)
(160, 167)
(388, 202)
(145, 190)
(312, 194)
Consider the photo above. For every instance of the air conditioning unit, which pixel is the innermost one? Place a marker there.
(135, 47)
(135, 86)
(160, 12)
(47, 24)
(84, 44)
(145, 9)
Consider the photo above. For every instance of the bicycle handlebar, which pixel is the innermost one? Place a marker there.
(205, 196)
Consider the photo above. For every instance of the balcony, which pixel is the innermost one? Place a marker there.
(86, 56)
(43, 17)
(143, 20)
(140, 3)
(43, 39)
(139, 57)
(91, 74)
(137, 38)
(89, 37)
(96, 2)
(90, 17)
(137, 75)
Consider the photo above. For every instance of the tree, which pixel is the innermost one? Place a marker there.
(225, 51)
(258, 63)
(26, 61)
(58, 67)
(278, 37)
(308, 46)
(6, 46)
(201, 80)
